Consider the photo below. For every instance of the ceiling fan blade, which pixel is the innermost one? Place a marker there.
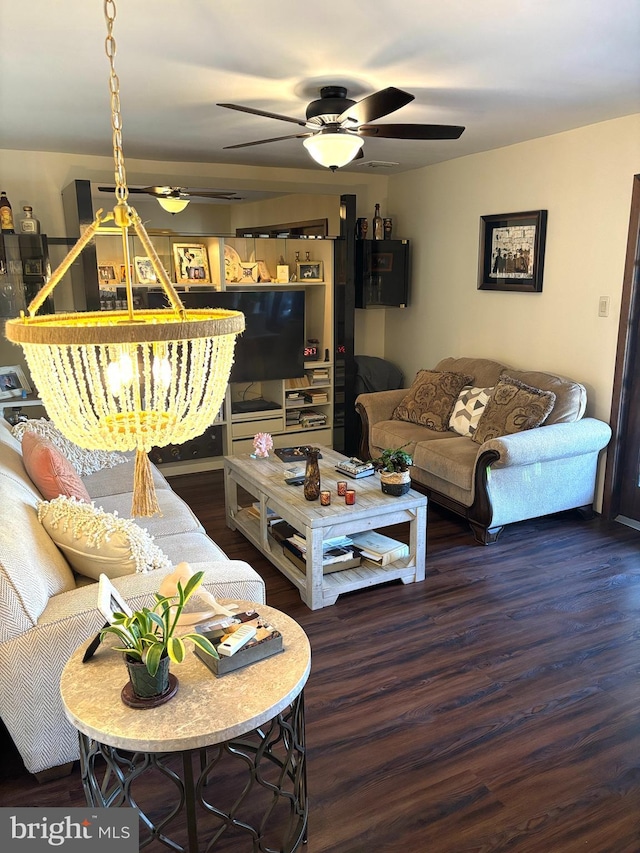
(113, 189)
(263, 113)
(274, 139)
(411, 131)
(175, 192)
(376, 106)
(231, 196)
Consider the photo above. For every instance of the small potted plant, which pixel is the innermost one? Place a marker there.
(149, 642)
(393, 466)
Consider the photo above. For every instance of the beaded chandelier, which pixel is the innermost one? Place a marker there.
(128, 380)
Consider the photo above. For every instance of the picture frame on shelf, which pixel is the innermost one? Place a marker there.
(511, 255)
(249, 272)
(144, 270)
(381, 261)
(13, 382)
(106, 272)
(33, 266)
(191, 263)
(263, 271)
(123, 273)
(310, 271)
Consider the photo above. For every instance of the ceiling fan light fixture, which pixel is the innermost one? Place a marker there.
(333, 150)
(172, 204)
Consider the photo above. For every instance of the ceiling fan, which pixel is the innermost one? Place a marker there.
(175, 199)
(335, 125)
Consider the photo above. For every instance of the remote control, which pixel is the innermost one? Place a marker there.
(237, 640)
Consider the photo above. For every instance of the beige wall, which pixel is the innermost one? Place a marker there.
(584, 179)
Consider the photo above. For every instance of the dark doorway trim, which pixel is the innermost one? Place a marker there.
(628, 341)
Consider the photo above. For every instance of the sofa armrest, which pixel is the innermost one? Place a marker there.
(545, 443)
(374, 407)
(380, 405)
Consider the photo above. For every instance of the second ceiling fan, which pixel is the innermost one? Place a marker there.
(335, 126)
(175, 199)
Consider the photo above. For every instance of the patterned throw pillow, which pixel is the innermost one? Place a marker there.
(84, 461)
(50, 472)
(468, 409)
(513, 407)
(95, 541)
(431, 399)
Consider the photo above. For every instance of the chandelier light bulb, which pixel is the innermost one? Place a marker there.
(161, 370)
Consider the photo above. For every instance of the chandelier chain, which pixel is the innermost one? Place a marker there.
(122, 192)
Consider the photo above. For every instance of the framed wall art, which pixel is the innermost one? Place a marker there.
(512, 251)
(310, 271)
(191, 263)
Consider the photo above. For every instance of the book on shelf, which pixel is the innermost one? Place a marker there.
(378, 548)
(309, 417)
(297, 382)
(350, 559)
(338, 553)
(316, 397)
(320, 376)
(254, 512)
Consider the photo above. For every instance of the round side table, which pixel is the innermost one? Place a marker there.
(247, 789)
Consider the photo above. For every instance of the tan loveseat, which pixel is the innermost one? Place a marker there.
(46, 611)
(505, 479)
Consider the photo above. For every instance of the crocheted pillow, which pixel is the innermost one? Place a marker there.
(49, 471)
(84, 461)
(95, 541)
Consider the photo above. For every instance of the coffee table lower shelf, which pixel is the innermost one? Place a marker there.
(333, 584)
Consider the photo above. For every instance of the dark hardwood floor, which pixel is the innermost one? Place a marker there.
(494, 707)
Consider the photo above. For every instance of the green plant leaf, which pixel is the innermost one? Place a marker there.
(176, 649)
(152, 658)
(204, 644)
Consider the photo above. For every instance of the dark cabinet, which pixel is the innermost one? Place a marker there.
(382, 273)
(24, 268)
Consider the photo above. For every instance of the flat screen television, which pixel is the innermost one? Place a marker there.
(272, 345)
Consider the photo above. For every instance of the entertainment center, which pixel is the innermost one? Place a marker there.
(282, 380)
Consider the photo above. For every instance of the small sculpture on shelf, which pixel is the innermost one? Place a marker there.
(262, 444)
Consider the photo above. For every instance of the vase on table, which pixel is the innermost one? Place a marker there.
(312, 475)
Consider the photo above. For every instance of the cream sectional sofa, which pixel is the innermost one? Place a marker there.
(46, 611)
(508, 478)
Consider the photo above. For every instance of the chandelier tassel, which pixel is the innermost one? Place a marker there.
(144, 501)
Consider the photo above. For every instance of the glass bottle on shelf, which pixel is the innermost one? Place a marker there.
(6, 214)
(378, 227)
(28, 223)
(312, 475)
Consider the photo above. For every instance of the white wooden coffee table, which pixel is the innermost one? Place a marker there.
(264, 480)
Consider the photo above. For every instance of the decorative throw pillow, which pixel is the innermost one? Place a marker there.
(95, 541)
(468, 409)
(431, 399)
(49, 471)
(84, 461)
(513, 407)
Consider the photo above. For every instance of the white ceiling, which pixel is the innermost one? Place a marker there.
(508, 70)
